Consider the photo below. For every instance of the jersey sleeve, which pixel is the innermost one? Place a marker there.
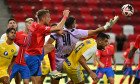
(90, 52)
(137, 42)
(125, 54)
(79, 33)
(98, 53)
(43, 29)
(3, 37)
(17, 47)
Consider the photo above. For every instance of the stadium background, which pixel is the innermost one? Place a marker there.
(89, 14)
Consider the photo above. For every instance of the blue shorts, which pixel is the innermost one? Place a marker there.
(34, 63)
(137, 74)
(128, 71)
(23, 70)
(101, 71)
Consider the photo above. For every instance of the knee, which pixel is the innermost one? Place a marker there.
(6, 81)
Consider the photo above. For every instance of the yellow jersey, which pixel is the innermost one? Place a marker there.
(87, 48)
(6, 54)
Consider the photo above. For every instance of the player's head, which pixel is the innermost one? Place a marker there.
(108, 39)
(70, 23)
(11, 33)
(43, 16)
(12, 23)
(28, 22)
(102, 41)
(132, 44)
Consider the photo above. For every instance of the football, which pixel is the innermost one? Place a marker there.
(127, 10)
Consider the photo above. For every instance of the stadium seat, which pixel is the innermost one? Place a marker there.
(89, 20)
(9, 2)
(135, 20)
(23, 2)
(116, 29)
(57, 3)
(104, 4)
(27, 10)
(84, 11)
(137, 29)
(92, 4)
(124, 20)
(92, 26)
(118, 12)
(101, 20)
(112, 37)
(96, 12)
(69, 3)
(30, 16)
(74, 11)
(36, 8)
(115, 4)
(79, 19)
(128, 29)
(35, 2)
(15, 9)
(137, 13)
(108, 12)
(82, 26)
(60, 9)
(136, 4)
(80, 3)
(19, 17)
(55, 19)
(46, 3)
(132, 38)
(52, 10)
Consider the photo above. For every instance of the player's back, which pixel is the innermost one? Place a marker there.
(72, 60)
(21, 41)
(36, 38)
(6, 53)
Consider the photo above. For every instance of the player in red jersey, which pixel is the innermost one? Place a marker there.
(128, 60)
(20, 65)
(103, 58)
(129, 70)
(36, 49)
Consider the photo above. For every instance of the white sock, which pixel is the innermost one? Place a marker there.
(52, 72)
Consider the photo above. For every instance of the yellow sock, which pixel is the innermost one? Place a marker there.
(105, 79)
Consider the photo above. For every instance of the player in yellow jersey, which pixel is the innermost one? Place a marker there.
(80, 55)
(8, 53)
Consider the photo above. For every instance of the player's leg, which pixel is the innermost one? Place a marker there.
(136, 81)
(54, 81)
(15, 74)
(105, 79)
(110, 75)
(25, 74)
(70, 82)
(137, 77)
(5, 80)
(130, 79)
(34, 63)
(131, 75)
(122, 80)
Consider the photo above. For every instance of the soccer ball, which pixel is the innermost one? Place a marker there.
(127, 10)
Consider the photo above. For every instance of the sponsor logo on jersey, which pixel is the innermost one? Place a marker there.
(12, 50)
(5, 53)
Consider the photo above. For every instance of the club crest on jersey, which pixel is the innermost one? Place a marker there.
(12, 50)
(5, 53)
(47, 28)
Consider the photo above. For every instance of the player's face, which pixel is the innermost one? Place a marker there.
(73, 25)
(12, 24)
(28, 24)
(108, 42)
(11, 35)
(102, 43)
(47, 19)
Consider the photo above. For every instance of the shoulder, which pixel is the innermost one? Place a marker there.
(17, 47)
(138, 37)
(3, 35)
(2, 41)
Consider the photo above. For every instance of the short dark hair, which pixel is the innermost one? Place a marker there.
(54, 24)
(11, 20)
(69, 21)
(41, 13)
(103, 36)
(9, 30)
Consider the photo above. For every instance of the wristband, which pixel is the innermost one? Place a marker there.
(127, 61)
(65, 17)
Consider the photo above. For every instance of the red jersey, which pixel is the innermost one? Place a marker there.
(21, 41)
(106, 55)
(137, 45)
(36, 38)
(126, 55)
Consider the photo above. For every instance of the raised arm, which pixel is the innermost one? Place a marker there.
(61, 23)
(101, 29)
(11, 64)
(99, 62)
